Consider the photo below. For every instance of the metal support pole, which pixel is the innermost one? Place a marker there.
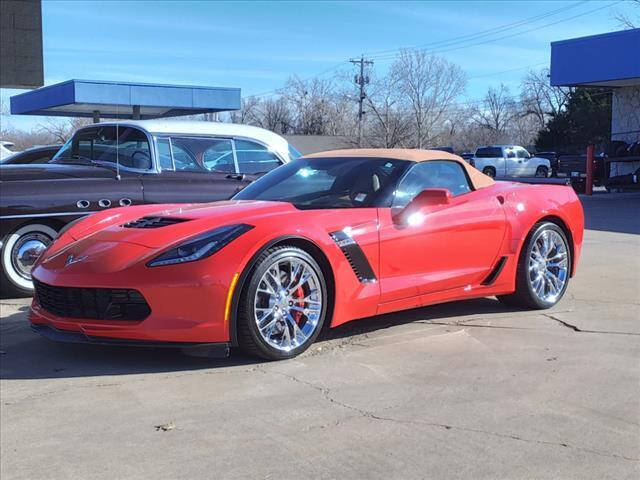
(361, 81)
(589, 185)
(96, 116)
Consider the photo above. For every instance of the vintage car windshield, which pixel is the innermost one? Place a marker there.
(99, 144)
(310, 183)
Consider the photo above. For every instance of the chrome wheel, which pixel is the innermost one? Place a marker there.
(548, 266)
(26, 251)
(288, 303)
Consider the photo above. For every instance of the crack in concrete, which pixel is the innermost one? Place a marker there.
(326, 394)
(580, 330)
(463, 324)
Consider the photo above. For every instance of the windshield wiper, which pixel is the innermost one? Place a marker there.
(83, 161)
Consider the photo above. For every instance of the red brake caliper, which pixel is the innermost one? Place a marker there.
(300, 294)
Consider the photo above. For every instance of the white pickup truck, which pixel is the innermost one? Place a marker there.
(509, 161)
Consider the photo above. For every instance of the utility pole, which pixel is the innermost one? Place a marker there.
(361, 80)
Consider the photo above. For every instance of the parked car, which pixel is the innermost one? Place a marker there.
(327, 239)
(39, 154)
(510, 161)
(6, 149)
(120, 164)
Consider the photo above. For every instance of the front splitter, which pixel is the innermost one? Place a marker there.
(214, 350)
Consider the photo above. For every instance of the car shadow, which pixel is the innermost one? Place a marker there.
(26, 355)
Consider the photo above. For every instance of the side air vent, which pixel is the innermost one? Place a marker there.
(355, 256)
(153, 222)
(495, 272)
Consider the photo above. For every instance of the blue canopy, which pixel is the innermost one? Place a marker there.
(93, 98)
(610, 59)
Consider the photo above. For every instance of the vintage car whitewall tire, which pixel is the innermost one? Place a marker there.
(19, 250)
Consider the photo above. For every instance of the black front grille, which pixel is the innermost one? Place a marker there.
(153, 222)
(92, 303)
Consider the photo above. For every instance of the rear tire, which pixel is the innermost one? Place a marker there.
(283, 304)
(543, 269)
(20, 249)
(489, 172)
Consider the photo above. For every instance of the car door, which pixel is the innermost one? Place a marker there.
(526, 168)
(453, 246)
(193, 170)
(512, 162)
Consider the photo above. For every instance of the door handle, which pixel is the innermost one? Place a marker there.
(233, 176)
(500, 199)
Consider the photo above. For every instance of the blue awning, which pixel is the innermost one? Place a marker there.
(611, 59)
(83, 98)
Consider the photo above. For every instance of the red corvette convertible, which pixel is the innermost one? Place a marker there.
(324, 240)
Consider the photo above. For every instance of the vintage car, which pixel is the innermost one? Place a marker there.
(121, 164)
(329, 238)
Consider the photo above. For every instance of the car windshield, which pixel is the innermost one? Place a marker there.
(310, 183)
(108, 145)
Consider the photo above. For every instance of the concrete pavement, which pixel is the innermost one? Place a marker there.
(461, 390)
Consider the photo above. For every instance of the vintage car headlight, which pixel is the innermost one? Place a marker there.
(202, 246)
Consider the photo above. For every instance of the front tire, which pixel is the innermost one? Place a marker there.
(542, 172)
(20, 250)
(283, 305)
(543, 269)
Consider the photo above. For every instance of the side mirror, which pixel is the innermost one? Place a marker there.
(426, 201)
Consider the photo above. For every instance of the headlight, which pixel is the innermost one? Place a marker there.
(201, 246)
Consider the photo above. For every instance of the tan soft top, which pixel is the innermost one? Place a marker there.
(478, 179)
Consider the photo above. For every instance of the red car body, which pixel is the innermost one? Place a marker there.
(196, 302)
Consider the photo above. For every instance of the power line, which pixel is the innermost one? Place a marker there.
(508, 71)
(483, 33)
(445, 50)
(479, 34)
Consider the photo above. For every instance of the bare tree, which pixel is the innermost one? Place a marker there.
(496, 110)
(310, 102)
(389, 126)
(247, 112)
(540, 99)
(61, 130)
(429, 85)
(628, 21)
(273, 114)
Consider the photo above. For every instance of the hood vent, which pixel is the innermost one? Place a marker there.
(153, 222)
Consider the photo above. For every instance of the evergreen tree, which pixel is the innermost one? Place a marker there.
(585, 120)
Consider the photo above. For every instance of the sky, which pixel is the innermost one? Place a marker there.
(257, 45)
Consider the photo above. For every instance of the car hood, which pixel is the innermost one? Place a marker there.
(51, 171)
(177, 222)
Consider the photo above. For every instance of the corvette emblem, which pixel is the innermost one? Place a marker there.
(71, 260)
